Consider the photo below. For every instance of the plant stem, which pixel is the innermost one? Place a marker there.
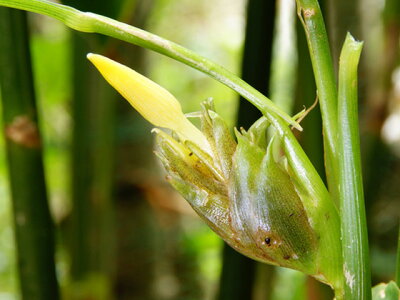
(237, 277)
(92, 236)
(32, 221)
(354, 227)
(310, 14)
(398, 261)
(89, 22)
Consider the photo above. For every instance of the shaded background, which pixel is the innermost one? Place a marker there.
(121, 231)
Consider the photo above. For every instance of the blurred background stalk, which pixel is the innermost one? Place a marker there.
(238, 272)
(32, 221)
(91, 238)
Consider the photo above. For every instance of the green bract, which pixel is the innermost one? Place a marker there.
(244, 193)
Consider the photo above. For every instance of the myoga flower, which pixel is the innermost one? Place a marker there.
(236, 183)
(153, 102)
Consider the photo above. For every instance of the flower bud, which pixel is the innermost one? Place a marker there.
(244, 189)
(243, 193)
(152, 101)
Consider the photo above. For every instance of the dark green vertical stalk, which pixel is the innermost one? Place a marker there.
(92, 169)
(256, 63)
(32, 220)
(238, 272)
(237, 277)
(354, 226)
(92, 243)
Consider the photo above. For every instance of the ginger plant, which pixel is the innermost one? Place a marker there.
(269, 205)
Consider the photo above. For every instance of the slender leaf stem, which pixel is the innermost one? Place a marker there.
(32, 221)
(354, 227)
(311, 16)
(398, 261)
(90, 22)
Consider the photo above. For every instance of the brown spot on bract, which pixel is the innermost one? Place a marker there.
(286, 257)
(23, 131)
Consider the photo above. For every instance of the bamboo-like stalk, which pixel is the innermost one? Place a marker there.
(238, 272)
(354, 225)
(237, 277)
(92, 236)
(32, 221)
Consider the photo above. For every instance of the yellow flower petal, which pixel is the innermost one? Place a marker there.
(152, 101)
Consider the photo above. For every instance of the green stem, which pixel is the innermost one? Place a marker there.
(237, 276)
(92, 236)
(93, 23)
(311, 16)
(398, 261)
(354, 227)
(32, 220)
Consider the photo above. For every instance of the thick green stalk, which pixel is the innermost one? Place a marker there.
(92, 234)
(32, 221)
(89, 22)
(237, 277)
(317, 38)
(354, 227)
